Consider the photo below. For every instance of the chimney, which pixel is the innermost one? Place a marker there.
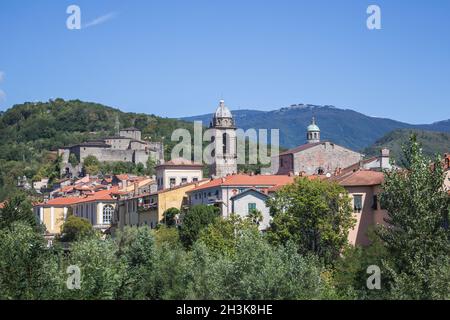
(384, 159)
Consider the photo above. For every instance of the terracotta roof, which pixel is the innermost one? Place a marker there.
(62, 201)
(247, 180)
(122, 176)
(360, 178)
(301, 148)
(180, 162)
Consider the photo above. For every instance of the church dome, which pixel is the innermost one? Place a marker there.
(222, 111)
(313, 126)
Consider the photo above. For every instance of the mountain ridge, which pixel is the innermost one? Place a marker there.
(346, 127)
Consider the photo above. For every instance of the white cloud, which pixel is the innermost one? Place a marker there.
(100, 20)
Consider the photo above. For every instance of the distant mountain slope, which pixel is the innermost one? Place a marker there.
(432, 143)
(342, 126)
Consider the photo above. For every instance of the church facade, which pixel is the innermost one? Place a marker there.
(315, 157)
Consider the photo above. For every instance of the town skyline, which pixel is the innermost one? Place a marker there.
(177, 60)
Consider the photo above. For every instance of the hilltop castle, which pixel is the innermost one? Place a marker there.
(127, 146)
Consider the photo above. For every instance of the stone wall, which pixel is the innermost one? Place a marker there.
(326, 156)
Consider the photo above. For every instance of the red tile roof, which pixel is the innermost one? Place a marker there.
(360, 178)
(97, 196)
(247, 180)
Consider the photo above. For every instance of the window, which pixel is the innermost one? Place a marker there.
(224, 137)
(281, 163)
(183, 180)
(357, 202)
(108, 211)
(375, 202)
(194, 179)
(251, 206)
(172, 182)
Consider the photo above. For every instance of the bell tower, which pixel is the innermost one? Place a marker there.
(224, 139)
(313, 132)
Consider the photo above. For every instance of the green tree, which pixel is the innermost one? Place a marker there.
(28, 270)
(169, 216)
(73, 160)
(165, 235)
(18, 208)
(222, 236)
(350, 272)
(255, 216)
(91, 165)
(417, 238)
(314, 214)
(76, 228)
(102, 271)
(197, 218)
(256, 271)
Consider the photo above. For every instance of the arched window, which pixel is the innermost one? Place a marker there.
(108, 211)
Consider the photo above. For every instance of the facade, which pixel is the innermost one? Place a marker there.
(125, 147)
(363, 186)
(148, 209)
(177, 172)
(314, 157)
(224, 139)
(222, 192)
(97, 208)
(251, 199)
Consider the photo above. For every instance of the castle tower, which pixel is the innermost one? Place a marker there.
(313, 132)
(224, 137)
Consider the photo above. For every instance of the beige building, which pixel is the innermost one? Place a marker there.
(97, 208)
(178, 172)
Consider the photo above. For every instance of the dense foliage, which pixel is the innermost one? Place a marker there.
(314, 214)
(432, 143)
(32, 132)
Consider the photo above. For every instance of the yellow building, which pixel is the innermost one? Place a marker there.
(148, 209)
(98, 208)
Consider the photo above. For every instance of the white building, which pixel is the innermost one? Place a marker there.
(223, 193)
(178, 172)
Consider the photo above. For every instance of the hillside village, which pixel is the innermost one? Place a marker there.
(113, 202)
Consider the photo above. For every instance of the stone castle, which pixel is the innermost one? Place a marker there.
(127, 146)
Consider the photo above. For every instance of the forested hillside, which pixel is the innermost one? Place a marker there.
(432, 143)
(31, 131)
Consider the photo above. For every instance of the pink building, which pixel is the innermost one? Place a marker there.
(363, 186)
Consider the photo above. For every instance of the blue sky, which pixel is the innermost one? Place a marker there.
(178, 58)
